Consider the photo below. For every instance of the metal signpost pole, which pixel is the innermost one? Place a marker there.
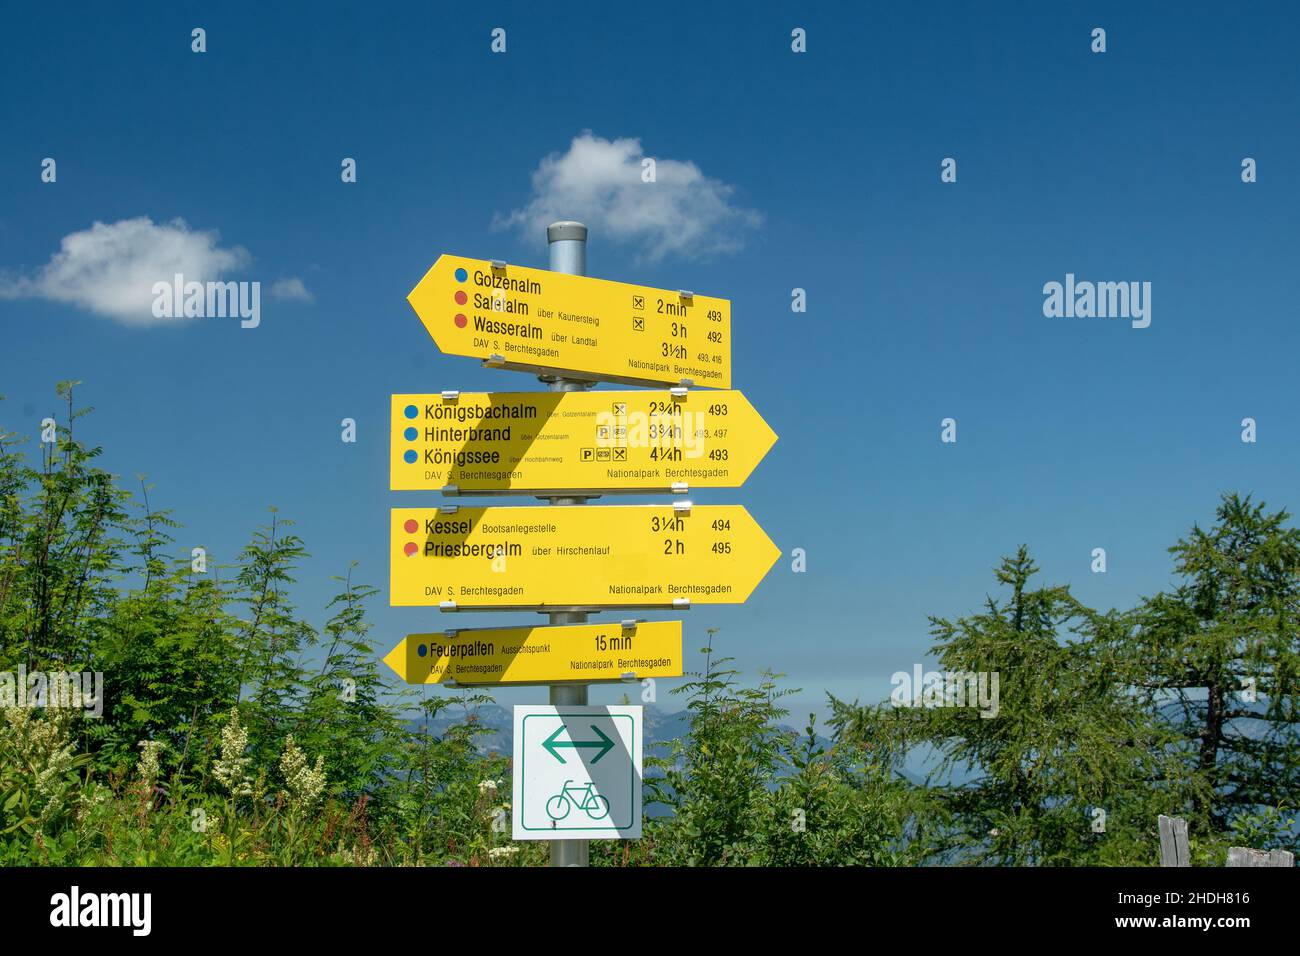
(722, 553)
(568, 248)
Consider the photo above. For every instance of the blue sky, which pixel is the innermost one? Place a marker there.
(924, 298)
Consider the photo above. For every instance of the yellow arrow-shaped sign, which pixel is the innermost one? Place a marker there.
(536, 320)
(524, 442)
(549, 557)
(541, 655)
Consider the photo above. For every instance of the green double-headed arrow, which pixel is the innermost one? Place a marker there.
(553, 745)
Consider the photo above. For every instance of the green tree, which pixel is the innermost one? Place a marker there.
(715, 779)
(344, 713)
(1218, 659)
(269, 636)
(61, 528)
(1065, 741)
(838, 807)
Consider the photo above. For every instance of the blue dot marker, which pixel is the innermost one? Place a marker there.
(410, 457)
(410, 434)
(461, 275)
(411, 411)
(421, 650)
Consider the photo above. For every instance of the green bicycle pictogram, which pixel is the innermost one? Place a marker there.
(584, 798)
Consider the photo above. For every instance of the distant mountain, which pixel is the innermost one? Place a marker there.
(663, 726)
(660, 727)
(498, 722)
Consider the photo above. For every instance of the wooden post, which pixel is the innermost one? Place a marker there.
(1174, 850)
(1244, 856)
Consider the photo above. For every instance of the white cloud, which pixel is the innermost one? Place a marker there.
(110, 269)
(291, 290)
(598, 181)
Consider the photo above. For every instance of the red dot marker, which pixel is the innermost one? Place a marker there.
(411, 526)
(461, 298)
(411, 548)
(460, 321)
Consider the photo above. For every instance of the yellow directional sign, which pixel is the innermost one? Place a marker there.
(541, 655)
(569, 557)
(536, 320)
(520, 442)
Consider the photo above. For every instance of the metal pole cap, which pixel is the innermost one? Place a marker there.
(566, 229)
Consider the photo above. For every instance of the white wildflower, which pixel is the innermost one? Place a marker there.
(148, 766)
(306, 784)
(42, 747)
(229, 770)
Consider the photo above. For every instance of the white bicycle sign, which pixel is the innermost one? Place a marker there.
(585, 798)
